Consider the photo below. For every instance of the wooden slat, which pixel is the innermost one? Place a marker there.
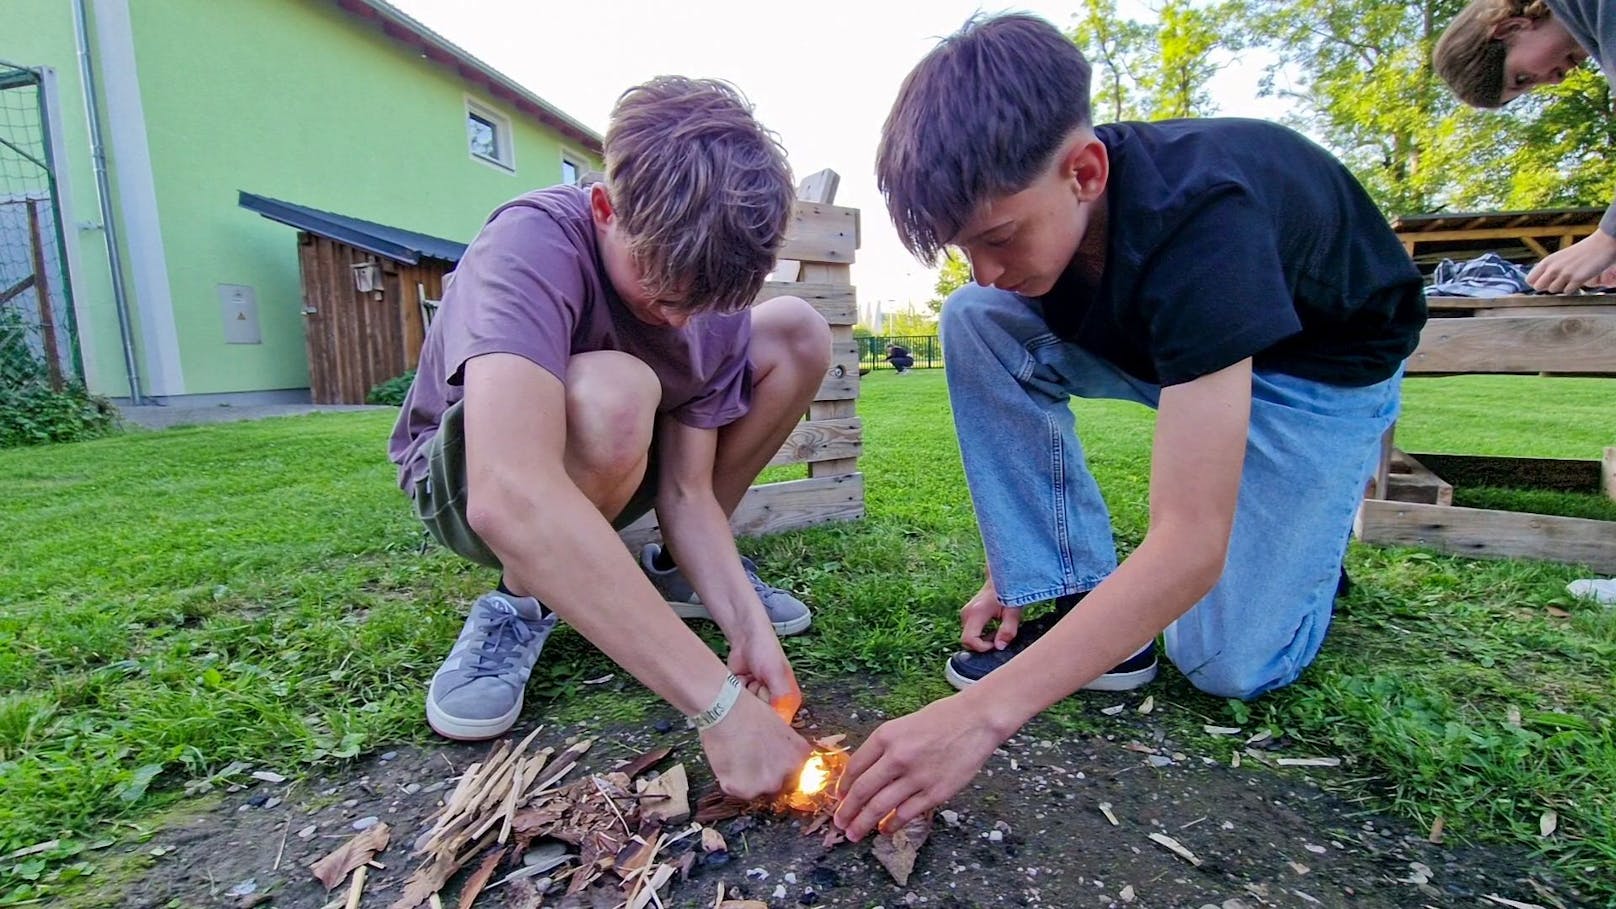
(1554, 300)
(1562, 344)
(844, 388)
(1482, 533)
(1498, 233)
(1412, 481)
(816, 187)
(821, 233)
(838, 303)
(777, 507)
(821, 440)
(1556, 474)
(1607, 474)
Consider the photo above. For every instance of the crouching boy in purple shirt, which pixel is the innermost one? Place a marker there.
(596, 354)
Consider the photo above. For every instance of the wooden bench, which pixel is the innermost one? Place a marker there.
(816, 265)
(1410, 501)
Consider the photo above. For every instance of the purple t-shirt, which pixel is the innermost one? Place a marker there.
(532, 284)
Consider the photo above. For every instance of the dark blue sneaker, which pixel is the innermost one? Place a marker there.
(966, 668)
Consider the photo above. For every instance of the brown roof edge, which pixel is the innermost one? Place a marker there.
(1490, 219)
(398, 26)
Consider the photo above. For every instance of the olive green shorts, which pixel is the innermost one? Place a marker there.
(440, 496)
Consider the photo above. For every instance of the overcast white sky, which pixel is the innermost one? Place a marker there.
(821, 74)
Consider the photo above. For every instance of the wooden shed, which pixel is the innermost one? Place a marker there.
(1520, 236)
(369, 292)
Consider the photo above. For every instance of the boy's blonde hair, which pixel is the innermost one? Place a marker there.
(701, 190)
(1470, 59)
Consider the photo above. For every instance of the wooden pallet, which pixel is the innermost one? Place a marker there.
(816, 265)
(1411, 501)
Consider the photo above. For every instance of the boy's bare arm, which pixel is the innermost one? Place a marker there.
(556, 546)
(698, 532)
(918, 761)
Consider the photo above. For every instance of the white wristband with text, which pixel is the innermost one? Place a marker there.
(727, 696)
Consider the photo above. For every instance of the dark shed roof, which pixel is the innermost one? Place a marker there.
(397, 244)
(1544, 217)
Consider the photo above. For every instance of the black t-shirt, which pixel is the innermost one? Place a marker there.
(1240, 238)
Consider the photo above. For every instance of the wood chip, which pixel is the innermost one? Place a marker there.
(1221, 730)
(352, 854)
(644, 762)
(712, 840)
(1105, 809)
(1512, 904)
(479, 878)
(1140, 749)
(1175, 847)
(35, 849)
(1512, 717)
(1234, 760)
(1127, 893)
(743, 904)
(268, 776)
(1260, 736)
(356, 890)
(1548, 823)
(659, 879)
(831, 742)
(1148, 705)
(1114, 709)
(1437, 826)
(897, 852)
(667, 798)
(1310, 762)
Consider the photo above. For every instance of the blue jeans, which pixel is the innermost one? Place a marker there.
(1311, 449)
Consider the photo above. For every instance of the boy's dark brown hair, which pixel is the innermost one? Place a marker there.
(1470, 59)
(701, 190)
(979, 116)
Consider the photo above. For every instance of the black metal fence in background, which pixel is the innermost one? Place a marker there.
(925, 349)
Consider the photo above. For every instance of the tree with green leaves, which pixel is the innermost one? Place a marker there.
(1364, 87)
(954, 273)
(1121, 52)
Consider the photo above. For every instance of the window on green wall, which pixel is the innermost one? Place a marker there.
(570, 172)
(488, 136)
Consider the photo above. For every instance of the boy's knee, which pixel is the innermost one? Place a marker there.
(967, 309)
(792, 328)
(1228, 677)
(611, 409)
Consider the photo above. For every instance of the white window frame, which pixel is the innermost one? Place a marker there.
(504, 139)
(578, 160)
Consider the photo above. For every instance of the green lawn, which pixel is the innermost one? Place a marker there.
(172, 602)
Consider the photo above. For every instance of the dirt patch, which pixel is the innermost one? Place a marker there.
(1029, 832)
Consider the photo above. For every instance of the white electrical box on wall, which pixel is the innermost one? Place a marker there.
(238, 306)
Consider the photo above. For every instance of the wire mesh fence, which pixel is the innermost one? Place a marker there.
(38, 341)
(900, 352)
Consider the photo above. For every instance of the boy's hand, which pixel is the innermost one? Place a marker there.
(982, 609)
(1572, 268)
(913, 764)
(757, 660)
(753, 752)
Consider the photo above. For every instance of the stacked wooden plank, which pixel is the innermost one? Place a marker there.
(816, 265)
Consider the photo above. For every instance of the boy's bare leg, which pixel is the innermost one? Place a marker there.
(611, 408)
(790, 355)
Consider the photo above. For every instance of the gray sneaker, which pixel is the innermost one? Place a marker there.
(477, 692)
(788, 614)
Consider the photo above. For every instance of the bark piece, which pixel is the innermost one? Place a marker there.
(897, 852)
(356, 851)
(674, 805)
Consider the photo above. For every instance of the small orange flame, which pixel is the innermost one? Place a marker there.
(816, 782)
(815, 775)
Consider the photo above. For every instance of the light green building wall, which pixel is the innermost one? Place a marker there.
(39, 33)
(295, 100)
